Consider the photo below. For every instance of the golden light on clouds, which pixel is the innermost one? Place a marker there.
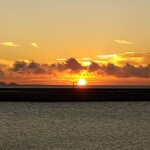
(119, 41)
(61, 59)
(135, 58)
(34, 45)
(6, 62)
(107, 69)
(9, 44)
(86, 63)
(85, 59)
(111, 56)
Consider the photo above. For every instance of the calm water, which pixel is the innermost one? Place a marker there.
(76, 86)
(79, 126)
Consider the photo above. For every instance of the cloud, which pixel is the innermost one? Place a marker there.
(34, 45)
(73, 64)
(27, 68)
(1, 73)
(126, 71)
(134, 58)
(93, 67)
(123, 42)
(85, 59)
(70, 64)
(19, 66)
(105, 57)
(6, 62)
(9, 44)
(61, 59)
(110, 69)
(36, 68)
(86, 63)
(32, 67)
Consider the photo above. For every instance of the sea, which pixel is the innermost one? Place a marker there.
(75, 86)
(75, 126)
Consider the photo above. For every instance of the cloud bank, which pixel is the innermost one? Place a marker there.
(126, 71)
(73, 66)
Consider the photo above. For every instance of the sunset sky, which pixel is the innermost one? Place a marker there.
(59, 41)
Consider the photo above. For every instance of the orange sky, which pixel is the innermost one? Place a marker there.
(49, 32)
(104, 70)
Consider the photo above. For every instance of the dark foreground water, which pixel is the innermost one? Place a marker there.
(79, 126)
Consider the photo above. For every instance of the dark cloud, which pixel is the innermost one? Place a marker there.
(57, 67)
(93, 67)
(126, 71)
(132, 71)
(110, 69)
(1, 73)
(19, 66)
(70, 64)
(73, 66)
(36, 68)
(23, 67)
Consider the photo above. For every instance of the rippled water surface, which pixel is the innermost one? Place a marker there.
(79, 126)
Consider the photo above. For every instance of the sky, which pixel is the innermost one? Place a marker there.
(53, 32)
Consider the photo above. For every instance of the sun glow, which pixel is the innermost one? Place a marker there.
(81, 82)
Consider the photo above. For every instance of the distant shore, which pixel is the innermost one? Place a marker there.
(68, 94)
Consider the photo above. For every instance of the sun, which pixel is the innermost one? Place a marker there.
(81, 82)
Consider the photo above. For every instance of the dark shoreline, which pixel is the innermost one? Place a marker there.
(74, 95)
